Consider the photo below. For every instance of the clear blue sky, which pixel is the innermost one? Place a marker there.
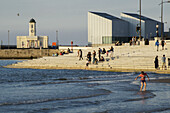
(69, 17)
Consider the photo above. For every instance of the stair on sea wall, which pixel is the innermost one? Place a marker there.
(130, 57)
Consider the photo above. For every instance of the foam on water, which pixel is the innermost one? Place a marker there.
(135, 82)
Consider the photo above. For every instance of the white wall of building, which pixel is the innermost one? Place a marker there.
(32, 41)
(44, 41)
(97, 28)
(21, 42)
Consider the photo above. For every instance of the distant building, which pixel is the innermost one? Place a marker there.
(148, 25)
(167, 35)
(106, 29)
(32, 41)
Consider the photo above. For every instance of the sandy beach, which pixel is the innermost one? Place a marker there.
(125, 59)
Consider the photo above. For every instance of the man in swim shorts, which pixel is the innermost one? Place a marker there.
(143, 81)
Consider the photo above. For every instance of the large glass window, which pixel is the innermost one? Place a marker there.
(107, 39)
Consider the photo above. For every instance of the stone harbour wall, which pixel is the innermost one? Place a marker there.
(25, 53)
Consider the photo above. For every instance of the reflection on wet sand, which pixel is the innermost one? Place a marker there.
(141, 96)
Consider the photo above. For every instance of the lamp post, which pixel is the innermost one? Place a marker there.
(140, 20)
(72, 46)
(162, 17)
(1, 45)
(57, 39)
(8, 39)
(157, 33)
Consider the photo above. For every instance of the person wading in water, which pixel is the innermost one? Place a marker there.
(143, 76)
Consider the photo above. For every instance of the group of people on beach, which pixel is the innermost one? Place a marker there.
(162, 44)
(91, 57)
(62, 52)
(133, 41)
(163, 58)
(163, 63)
(100, 57)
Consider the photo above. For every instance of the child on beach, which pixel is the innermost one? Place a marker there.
(142, 75)
(164, 62)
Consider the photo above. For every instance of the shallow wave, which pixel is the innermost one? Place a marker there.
(8, 62)
(103, 82)
(164, 77)
(167, 84)
(135, 82)
(59, 82)
(112, 76)
(125, 80)
(102, 92)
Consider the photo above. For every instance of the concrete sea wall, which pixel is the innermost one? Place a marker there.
(25, 53)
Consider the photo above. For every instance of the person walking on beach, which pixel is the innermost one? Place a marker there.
(164, 62)
(111, 51)
(80, 54)
(143, 81)
(156, 63)
(94, 56)
(163, 44)
(99, 52)
(89, 57)
(157, 44)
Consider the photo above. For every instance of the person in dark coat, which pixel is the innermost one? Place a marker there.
(163, 44)
(80, 54)
(103, 51)
(156, 63)
(89, 57)
(99, 52)
(94, 56)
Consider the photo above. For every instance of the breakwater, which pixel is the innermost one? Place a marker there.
(25, 53)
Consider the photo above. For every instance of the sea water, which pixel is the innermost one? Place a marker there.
(78, 91)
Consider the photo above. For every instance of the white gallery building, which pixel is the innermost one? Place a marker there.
(107, 29)
(32, 41)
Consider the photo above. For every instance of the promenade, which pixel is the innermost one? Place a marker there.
(126, 59)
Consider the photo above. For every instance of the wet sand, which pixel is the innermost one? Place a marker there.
(161, 80)
(94, 69)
